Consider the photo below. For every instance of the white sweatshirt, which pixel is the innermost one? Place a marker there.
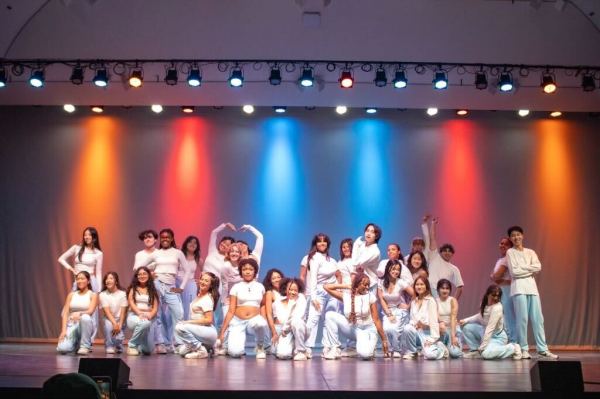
(346, 268)
(91, 261)
(214, 260)
(293, 310)
(367, 257)
(168, 263)
(427, 314)
(144, 258)
(522, 265)
(320, 271)
(492, 320)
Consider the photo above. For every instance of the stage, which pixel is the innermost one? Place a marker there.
(24, 368)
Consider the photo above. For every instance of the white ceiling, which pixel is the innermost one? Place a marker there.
(452, 31)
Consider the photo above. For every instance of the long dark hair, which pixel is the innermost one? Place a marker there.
(313, 247)
(427, 286)
(167, 230)
(423, 264)
(95, 241)
(400, 254)
(267, 281)
(135, 284)
(490, 290)
(115, 276)
(345, 241)
(87, 276)
(196, 252)
(388, 267)
(213, 290)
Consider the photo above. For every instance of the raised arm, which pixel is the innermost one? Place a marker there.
(425, 230)
(433, 243)
(332, 289)
(63, 259)
(212, 240)
(260, 241)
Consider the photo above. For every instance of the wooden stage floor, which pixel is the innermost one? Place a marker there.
(28, 366)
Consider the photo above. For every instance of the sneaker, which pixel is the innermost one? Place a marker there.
(518, 355)
(184, 350)
(110, 350)
(308, 353)
(525, 355)
(547, 355)
(83, 351)
(197, 355)
(132, 352)
(300, 356)
(349, 352)
(221, 351)
(332, 354)
(409, 356)
(260, 353)
(397, 355)
(325, 352)
(161, 349)
(472, 355)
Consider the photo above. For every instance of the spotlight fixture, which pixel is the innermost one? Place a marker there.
(37, 78)
(371, 110)
(307, 79)
(3, 77)
(136, 78)
(194, 78)
(400, 80)
(275, 76)
(555, 114)
(505, 83)
(236, 79)
(587, 82)
(440, 81)
(98, 109)
(171, 77)
(432, 111)
(248, 109)
(187, 109)
(156, 108)
(341, 109)
(346, 80)
(523, 112)
(462, 112)
(280, 109)
(481, 82)
(548, 83)
(380, 77)
(77, 75)
(70, 108)
(101, 78)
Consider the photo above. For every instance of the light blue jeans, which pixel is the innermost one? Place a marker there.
(498, 346)
(529, 307)
(394, 331)
(337, 325)
(454, 351)
(79, 334)
(328, 303)
(413, 338)
(141, 339)
(190, 291)
(110, 340)
(170, 312)
(194, 335)
(509, 314)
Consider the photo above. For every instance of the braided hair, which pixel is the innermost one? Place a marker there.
(357, 280)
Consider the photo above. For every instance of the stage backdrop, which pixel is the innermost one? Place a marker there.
(292, 176)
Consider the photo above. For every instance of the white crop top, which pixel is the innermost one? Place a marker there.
(248, 294)
(80, 302)
(142, 301)
(200, 306)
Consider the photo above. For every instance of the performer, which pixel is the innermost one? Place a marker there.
(215, 257)
(113, 302)
(191, 250)
(423, 328)
(143, 300)
(419, 243)
(78, 325)
(199, 333)
(366, 254)
(244, 312)
(394, 253)
(272, 284)
(145, 256)
(484, 331)
(394, 292)
(501, 276)
(256, 253)
(345, 265)
(360, 321)
(286, 321)
(86, 256)
(230, 273)
(523, 264)
(417, 265)
(450, 332)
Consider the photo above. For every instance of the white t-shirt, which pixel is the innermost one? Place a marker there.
(281, 310)
(346, 268)
(397, 297)
(367, 257)
(230, 276)
(144, 258)
(201, 305)
(168, 263)
(362, 306)
(499, 263)
(248, 294)
(440, 269)
(114, 301)
(320, 271)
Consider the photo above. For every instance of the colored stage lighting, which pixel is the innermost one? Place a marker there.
(505, 84)
(346, 80)
(523, 112)
(440, 81)
(194, 78)
(548, 83)
(187, 109)
(400, 80)
(3, 78)
(380, 78)
(37, 78)
(77, 75)
(481, 82)
(97, 109)
(236, 79)
(172, 76)
(136, 79)
(275, 76)
(101, 78)
(307, 79)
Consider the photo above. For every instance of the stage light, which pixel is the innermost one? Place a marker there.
(172, 76)
(555, 114)
(187, 109)
(275, 76)
(307, 79)
(523, 112)
(248, 109)
(432, 111)
(548, 83)
(505, 83)
(440, 81)
(37, 78)
(70, 108)
(101, 78)
(346, 80)
(280, 109)
(97, 109)
(77, 75)
(156, 108)
(371, 110)
(236, 79)
(462, 112)
(3, 78)
(194, 78)
(400, 80)
(136, 79)
(380, 78)
(588, 83)
(341, 109)
(481, 82)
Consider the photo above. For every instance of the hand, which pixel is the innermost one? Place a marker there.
(462, 322)
(231, 226)
(384, 346)
(317, 305)
(391, 318)
(75, 316)
(218, 342)
(454, 340)
(360, 269)
(116, 329)
(419, 325)
(426, 218)
(176, 290)
(245, 227)
(435, 220)
(62, 336)
(144, 316)
(274, 338)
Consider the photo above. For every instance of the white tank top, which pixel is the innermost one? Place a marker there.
(444, 310)
(80, 302)
(394, 298)
(142, 301)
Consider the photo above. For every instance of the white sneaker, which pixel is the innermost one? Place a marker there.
(332, 354)
(132, 351)
(199, 354)
(83, 351)
(349, 352)
(300, 356)
(308, 353)
(547, 355)
(518, 355)
(409, 356)
(260, 353)
(397, 355)
(525, 355)
(161, 349)
(221, 351)
(472, 355)
(110, 350)
(184, 350)
(446, 352)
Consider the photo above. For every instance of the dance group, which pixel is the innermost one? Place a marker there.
(406, 303)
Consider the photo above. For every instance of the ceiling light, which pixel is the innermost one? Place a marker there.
(156, 108)
(136, 79)
(588, 83)
(555, 114)
(280, 109)
(481, 82)
(523, 112)
(400, 80)
(37, 78)
(98, 109)
(3, 77)
(248, 109)
(70, 108)
(505, 83)
(101, 78)
(341, 109)
(371, 110)
(548, 83)
(440, 81)
(380, 77)
(307, 79)
(346, 80)
(462, 112)
(172, 76)
(187, 109)
(194, 78)
(236, 79)
(432, 111)
(275, 76)
(77, 75)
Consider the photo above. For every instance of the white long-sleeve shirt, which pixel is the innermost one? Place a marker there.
(367, 257)
(230, 276)
(427, 314)
(321, 270)
(214, 260)
(293, 310)
(346, 268)
(522, 265)
(91, 261)
(492, 320)
(144, 258)
(168, 263)
(258, 245)
(192, 265)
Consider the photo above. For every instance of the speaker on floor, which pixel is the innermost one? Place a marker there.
(556, 376)
(116, 369)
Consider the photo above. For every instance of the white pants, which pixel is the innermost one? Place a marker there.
(394, 331)
(293, 342)
(237, 333)
(413, 338)
(337, 325)
(79, 334)
(194, 335)
(328, 303)
(111, 341)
